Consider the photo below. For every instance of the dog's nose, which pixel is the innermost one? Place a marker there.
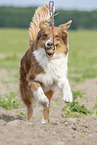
(49, 44)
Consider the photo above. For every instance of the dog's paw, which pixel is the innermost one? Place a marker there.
(67, 97)
(41, 97)
(44, 121)
(44, 101)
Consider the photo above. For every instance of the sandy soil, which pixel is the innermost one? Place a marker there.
(60, 130)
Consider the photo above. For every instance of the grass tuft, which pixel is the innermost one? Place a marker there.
(95, 108)
(10, 101)
(21, 115)
(74, 109)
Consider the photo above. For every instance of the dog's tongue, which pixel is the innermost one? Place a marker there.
(49, 55)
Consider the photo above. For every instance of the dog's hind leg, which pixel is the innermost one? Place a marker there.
(29, 112)
(46, 110)
(27, 98)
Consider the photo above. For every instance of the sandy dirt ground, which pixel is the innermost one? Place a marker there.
(60, 130)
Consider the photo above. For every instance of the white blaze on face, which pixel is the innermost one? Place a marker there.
(48, 41)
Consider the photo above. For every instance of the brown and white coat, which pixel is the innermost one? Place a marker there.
(42, 68)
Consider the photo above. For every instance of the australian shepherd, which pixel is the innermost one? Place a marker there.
(43, 67)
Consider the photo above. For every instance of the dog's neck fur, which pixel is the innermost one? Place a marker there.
(55, 68)
(49, 63)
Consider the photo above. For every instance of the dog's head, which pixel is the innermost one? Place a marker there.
(45, 39)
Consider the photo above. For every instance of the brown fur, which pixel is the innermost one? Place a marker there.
(46, 110)
(29, 66)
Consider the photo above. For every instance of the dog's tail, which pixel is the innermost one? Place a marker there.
(41, 14)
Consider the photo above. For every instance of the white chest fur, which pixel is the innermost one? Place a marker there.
(55, 68)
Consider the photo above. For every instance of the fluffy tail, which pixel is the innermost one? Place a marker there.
(41, 14)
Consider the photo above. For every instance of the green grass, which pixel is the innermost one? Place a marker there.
(13, 43)
(82, 137)
(74, 109)
(21, 116)
(83, 55)
(10, 101)
(13, 40)
(95, 108)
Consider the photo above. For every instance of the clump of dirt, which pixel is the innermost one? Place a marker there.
(60, 130)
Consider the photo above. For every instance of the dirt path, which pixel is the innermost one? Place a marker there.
(60, 131)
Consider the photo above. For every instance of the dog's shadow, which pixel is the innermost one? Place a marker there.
(7, 118)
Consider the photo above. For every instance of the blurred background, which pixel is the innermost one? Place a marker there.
(18, 13)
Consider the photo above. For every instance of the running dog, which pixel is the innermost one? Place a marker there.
(43, 67)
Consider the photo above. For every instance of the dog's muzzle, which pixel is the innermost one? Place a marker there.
(49, 48)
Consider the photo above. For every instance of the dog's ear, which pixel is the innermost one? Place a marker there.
(66, 25)
(43, 24)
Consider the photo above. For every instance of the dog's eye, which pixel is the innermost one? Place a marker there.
(56, 36)
(57, 45)
(44, 36)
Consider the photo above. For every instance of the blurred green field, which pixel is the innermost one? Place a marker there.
(82, 56)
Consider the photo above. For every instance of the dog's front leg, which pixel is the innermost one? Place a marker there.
(38, 93)
(64, 86)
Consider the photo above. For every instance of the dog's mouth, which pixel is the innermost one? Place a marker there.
(49, 52)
